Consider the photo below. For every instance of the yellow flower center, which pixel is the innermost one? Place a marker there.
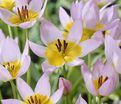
(61, 51)
(99, 82)
(7, 4)
(38, 99)
(87, 33)
(23, 15)
(13, 67)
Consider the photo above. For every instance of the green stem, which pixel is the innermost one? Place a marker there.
(89, 65)
(29, 71)
(13, 89)
(99, 100)
(10, 31)
(1, 95)
(94, 100)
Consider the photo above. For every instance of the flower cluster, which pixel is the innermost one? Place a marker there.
(91, 28)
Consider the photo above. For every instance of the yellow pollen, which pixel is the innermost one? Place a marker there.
(13, 67)
(61, 51)
(23, 15)
(99, 82)
(38, 99)
(7, 4)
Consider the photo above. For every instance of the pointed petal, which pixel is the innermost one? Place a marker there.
(25, 65)
(64, 17)
(80, 100)
(49, 32)
(36, 5)
(4, 15)
(47, 68)
(4, 74)
(88, 79)
(107, 88)
(26, 49)
(2, 36)
(57, 95)
(76, 62)
(90, 14)
(26, 25)
(11, 101)
(110, 47)
(91, 44)
(78, 8)
(43, 85)
(37, 49)
(23, 88)
(8, 48)
(75, 32)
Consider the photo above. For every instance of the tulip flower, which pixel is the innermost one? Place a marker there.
(13, 64)
(113, 52)
(41, 94)
(66, 84)
(102, 3)
(94, 19)
(7, 4)
(80, 100)
(103, 80)
(58, 50)
(25, 13)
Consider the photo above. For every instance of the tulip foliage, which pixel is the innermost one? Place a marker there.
(60, 52)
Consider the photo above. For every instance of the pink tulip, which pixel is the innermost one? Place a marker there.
(24, 14)
(66, 84)
(103, 80)
(41, 94)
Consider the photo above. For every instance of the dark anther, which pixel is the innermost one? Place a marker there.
(65, 45)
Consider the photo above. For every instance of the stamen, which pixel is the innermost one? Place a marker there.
(19, 13)
(65, 45)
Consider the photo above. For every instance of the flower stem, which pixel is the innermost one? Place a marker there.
(13, 89)
(99, 100)
(29, 71)
(89, 65)
(10, 31)
(1, 95)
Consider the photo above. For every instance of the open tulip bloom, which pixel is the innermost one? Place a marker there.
(24, 14)
(13, 64)
(94, 19)
(41, 94)
(103, 80)
(58, 50)
(113, 52)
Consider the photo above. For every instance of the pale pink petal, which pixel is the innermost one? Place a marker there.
(49, 32)
(11, 101)
(78, 8)
(37, 49)
(107, 88)
(64, 17)
(43, 85)
(4, 15)
(75, 32)
(98, 66)
(90, 14)
(43, 9)
(2, 36)
(110, 47)
(26, 48)
(80, 100)
(26, 25)
(89, 46)
(57, 95)
(25, 65)
(23, 88)
(36, 5)
(76, 62)
(47, 68)
(20, 3)
(88, 79)
(4, 74)
(8, 48)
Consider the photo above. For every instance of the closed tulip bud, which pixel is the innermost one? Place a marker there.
(66, 84)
